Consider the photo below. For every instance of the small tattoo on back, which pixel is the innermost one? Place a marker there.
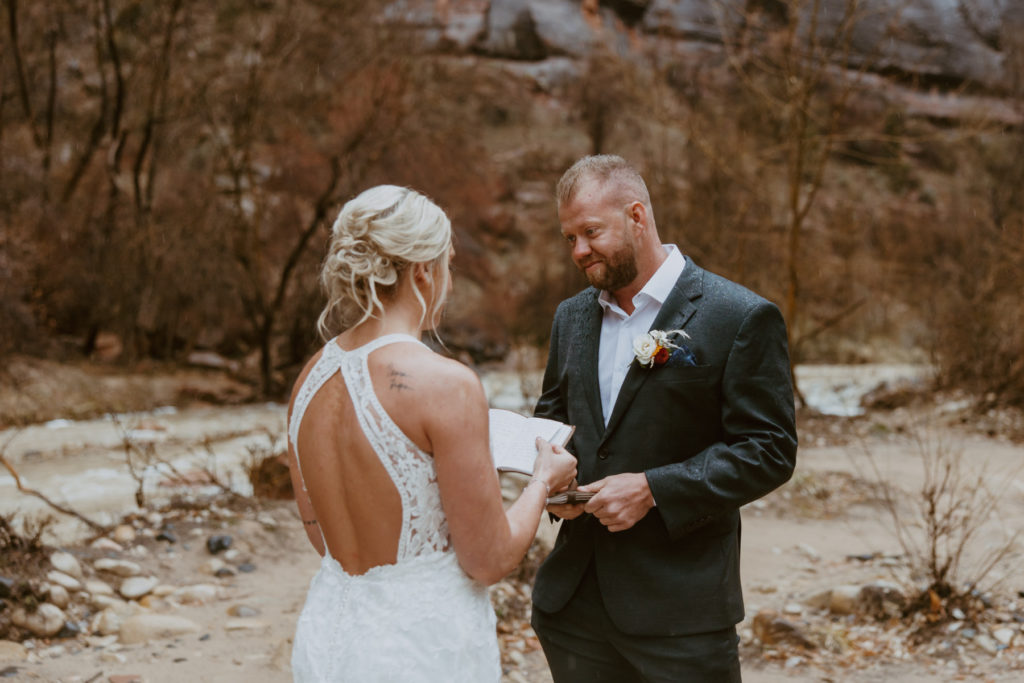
(397, 379)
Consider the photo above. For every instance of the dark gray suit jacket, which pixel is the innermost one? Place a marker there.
(710, 438)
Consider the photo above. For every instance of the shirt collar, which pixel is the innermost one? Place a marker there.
(657, 288)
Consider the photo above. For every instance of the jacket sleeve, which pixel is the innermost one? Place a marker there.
(551, 403)
(757, 451)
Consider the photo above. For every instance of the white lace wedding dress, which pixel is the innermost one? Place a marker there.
(422, 619)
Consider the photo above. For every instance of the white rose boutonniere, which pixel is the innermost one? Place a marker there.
(653, 349)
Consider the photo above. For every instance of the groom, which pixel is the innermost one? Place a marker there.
(643, 582)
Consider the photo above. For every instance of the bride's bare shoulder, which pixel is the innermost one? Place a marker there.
(417, 378)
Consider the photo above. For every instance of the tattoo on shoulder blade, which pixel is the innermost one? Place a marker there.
(309, 522)
(397, 378)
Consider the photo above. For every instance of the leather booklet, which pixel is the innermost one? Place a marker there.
(514, 439)
(570, 497)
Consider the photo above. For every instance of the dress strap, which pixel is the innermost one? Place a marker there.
(324, 368)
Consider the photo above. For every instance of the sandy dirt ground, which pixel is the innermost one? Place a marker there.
(828, 527)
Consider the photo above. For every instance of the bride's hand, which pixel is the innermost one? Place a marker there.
(555, 466)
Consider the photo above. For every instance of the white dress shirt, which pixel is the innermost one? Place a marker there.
(618, 330)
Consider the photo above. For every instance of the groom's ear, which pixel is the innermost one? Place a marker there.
(638, 215)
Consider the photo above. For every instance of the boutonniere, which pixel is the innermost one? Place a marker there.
(653, 349)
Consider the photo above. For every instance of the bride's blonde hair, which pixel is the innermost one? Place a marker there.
(374, 240)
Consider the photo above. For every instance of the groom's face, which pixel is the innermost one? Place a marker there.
(597, 226)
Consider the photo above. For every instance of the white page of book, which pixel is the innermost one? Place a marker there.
(513, 438)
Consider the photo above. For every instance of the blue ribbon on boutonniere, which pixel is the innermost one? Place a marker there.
(683, 355)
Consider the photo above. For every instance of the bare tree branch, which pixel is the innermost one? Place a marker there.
(63, 509)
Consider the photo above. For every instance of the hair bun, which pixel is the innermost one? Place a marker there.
(373, 240)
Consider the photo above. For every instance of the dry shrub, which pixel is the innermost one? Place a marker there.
(22, 555)
(267, 470)
(938, 526)
(22, 548)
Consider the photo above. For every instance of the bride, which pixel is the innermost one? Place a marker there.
(388, 450)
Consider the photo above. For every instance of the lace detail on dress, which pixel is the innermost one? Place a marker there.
(424, 526)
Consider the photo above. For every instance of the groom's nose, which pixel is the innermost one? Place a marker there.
(580, 249)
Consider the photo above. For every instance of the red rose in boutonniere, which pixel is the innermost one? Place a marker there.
(653, 349)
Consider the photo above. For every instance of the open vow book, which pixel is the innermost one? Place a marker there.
(514, 439)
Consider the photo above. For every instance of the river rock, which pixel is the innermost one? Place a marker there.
(11, 651)
(819, 600)
(167, 535)
(62, 579)
(124, 534)
(243, 611)
(145, 627)
(97, 587)
(107, 545)
(987, 643)
(1004, 636)
(58, 595)
(137, 586)
(212, 566)
(46, 621)
(67, 563)
(196, 594)
(138, 551)
(106, 623)
(245, 624)
(102, 602)
(218, 543)
(117, 567)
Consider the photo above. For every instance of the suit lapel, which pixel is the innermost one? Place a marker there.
(677, 310)
(590, 341)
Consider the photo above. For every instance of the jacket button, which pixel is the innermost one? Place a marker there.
(602, 453)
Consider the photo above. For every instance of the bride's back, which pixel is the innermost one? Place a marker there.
(357, 505)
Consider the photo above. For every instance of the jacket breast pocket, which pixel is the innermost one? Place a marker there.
(685, 374)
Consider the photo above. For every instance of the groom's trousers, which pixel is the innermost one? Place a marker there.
(582, 645)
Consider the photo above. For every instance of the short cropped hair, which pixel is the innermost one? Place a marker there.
(602, 168)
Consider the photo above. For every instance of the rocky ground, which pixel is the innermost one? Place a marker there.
(205, 585)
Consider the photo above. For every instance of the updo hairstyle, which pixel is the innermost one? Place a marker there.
(375, 238)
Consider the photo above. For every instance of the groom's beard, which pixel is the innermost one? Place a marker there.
(615, 272)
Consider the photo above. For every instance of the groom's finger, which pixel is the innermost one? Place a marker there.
(594, 505)
(566, 511)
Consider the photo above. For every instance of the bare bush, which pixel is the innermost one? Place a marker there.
(938, 526)
(267, 469)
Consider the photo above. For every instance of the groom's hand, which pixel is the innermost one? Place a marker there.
(621, 500)
(566, 511)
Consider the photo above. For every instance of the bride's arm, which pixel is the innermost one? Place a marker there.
(488, 539)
